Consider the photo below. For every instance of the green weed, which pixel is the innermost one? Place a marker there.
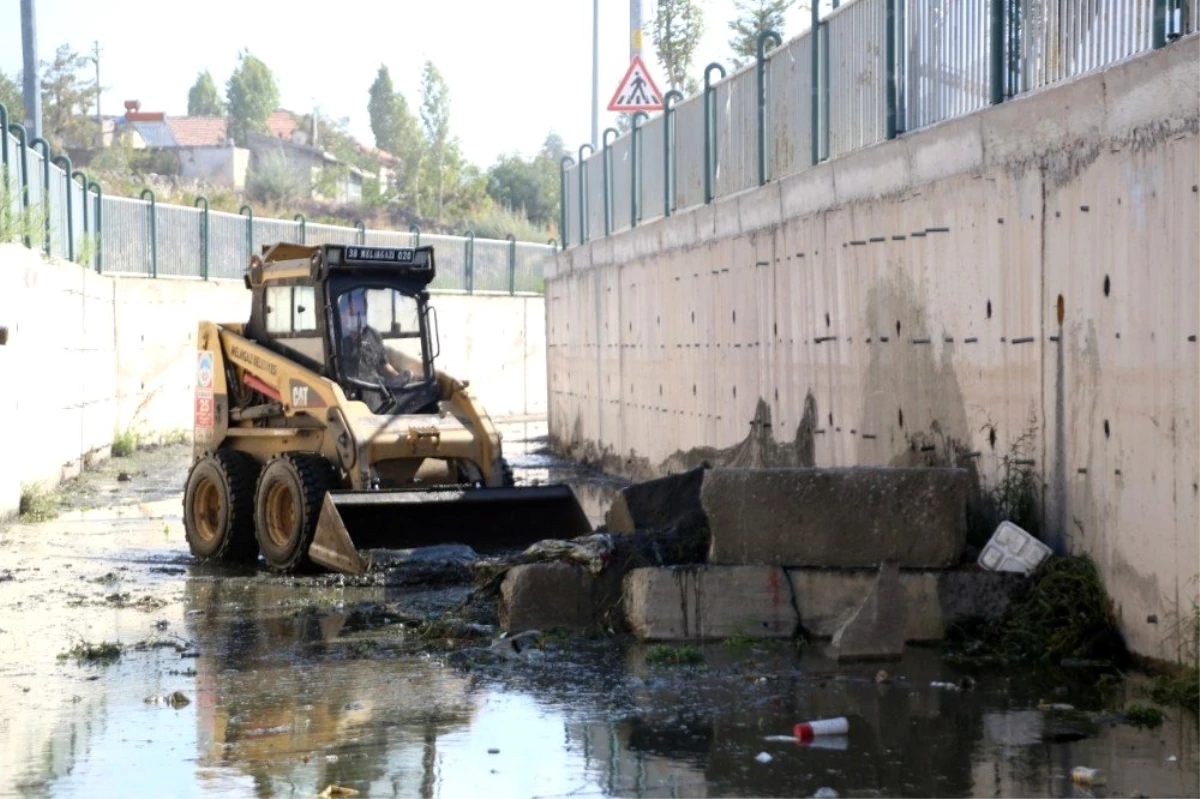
(37, 504)
(1143, 716)
(103, 653)
(126, 444)
(663, 655)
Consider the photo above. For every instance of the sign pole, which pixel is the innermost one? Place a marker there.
(635, 29)
(595, 72)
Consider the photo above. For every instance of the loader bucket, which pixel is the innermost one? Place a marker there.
(482, 518)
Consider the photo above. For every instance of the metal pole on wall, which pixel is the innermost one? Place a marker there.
(814, 76)
(153, 230)
(32, 88)
(63, 162)
(44, 145)
(763, 38)
(95, 186)
(889, 55)
(997, 45)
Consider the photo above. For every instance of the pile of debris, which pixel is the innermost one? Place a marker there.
(867, 557)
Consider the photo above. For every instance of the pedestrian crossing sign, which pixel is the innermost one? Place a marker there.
(637, 91)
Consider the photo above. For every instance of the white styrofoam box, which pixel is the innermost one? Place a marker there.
(1011, 549)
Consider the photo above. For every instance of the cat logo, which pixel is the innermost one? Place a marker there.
(304, 396)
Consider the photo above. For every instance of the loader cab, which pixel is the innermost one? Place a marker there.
(359, 316)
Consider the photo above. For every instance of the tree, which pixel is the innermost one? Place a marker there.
(252, 95)
(435, 122)
(203, 99)
(531, 187)
(395, 131)
(67, 100)
(676, 29)
(12, 97)
(754, 17)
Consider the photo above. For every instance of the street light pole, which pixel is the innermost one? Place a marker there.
(595, 73)
(635, 29)
(33, 93)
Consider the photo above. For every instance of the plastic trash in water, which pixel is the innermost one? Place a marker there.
(1081, 775)
(1011, 549)
(780, 739)
(825, 793)
(946, 686)
(805, 731)
(763, 757)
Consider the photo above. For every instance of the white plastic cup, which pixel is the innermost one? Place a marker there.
(1080, 775)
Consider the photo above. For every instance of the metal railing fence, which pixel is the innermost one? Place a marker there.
(47, 206)
(867, 71)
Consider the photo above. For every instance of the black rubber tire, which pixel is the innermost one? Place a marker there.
(509, 479)
(227, 535)
(305, 479)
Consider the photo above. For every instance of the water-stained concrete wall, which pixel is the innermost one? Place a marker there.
(1013, 291)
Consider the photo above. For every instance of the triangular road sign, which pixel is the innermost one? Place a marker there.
(637, 91)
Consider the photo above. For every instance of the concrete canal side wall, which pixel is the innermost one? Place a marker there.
(1020, 286)
(91, 356)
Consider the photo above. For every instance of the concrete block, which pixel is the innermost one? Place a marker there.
(855, 517)
(545, 596)
(705, 602)
(876, 629)
(726, 222)
(1157, 89)
(657, 504)
(679, 231)
(826, 598)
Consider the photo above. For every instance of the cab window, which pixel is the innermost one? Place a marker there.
(291, 318)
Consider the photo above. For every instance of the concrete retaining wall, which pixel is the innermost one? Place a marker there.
(90, 356)
(1020, 284)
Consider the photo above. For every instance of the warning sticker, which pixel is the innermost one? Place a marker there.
(204, 409)
(204, 369)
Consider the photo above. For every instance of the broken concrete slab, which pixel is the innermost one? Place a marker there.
(706, 602)
(667, 504)
(547, 596)
(851, 517)
(876, 629)
(826, 598)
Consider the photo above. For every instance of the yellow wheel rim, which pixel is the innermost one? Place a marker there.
(281, 514)
(206, 510)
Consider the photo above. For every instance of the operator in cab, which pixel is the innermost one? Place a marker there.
(362, 347)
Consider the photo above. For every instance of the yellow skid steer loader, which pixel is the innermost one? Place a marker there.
(323, 429)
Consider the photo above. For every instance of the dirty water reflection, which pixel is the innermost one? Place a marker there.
(298, 683)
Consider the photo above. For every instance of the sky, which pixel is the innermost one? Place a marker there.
(516, 70)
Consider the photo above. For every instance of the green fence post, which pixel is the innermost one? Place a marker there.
(23, 175)
(3, 135)
(562, 195)
(583, 188)
(762, 99)
(635, 168)
(64, 163)
(203, 235)
(997, 45)
(891, 91)
(248, 212)
(95, 185)
(710, 130)
(82, 177)
(814, 46)
(607, 156)
(36, 143)
(414, 230)
(469, 260)
(362, 231)
(303, 227)
(668, 150)
(153, 230)
(512, 264)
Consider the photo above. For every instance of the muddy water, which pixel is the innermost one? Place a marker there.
(295, 684)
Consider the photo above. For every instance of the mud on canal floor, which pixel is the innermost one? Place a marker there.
(227, 682)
